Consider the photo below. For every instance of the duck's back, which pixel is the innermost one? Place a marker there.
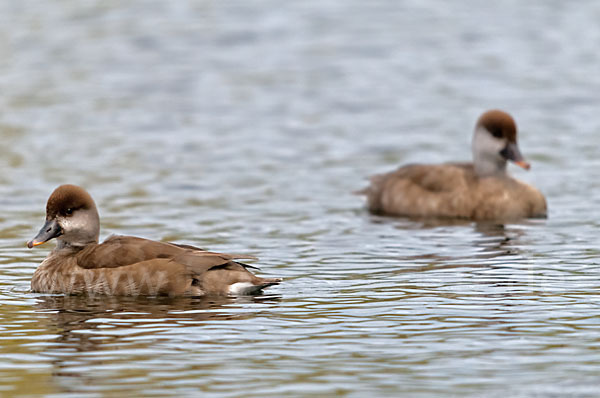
(452, 190)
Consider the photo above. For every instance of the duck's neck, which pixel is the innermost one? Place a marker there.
(486, 149)
(486, 167)
(62, 244)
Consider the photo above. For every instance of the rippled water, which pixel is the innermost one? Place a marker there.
(244, 127)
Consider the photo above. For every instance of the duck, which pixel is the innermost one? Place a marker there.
(480, 190)
(128, 265)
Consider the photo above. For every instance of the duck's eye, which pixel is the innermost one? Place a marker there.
(496, 132)
(69, 211)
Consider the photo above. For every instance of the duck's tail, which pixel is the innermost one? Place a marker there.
(249, 288)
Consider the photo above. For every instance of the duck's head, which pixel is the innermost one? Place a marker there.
(495, 142)
(71, 218)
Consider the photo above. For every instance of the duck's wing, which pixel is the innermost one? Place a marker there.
(120, 251)
(429, 177)
(422, 190)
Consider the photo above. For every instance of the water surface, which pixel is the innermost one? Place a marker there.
(244, 128)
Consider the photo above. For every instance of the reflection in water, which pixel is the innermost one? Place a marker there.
(92, 330)
(67, 314)
(491, 240)
(481, 254)
(497, 239)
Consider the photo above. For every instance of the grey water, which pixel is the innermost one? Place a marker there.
(245, 127)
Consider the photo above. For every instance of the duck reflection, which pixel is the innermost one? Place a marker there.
(68, 313)
(102, 325)
(496, 239)
(493, 238)
(447, 244)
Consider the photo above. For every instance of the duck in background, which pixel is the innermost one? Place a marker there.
(481, 190)
(127, 265)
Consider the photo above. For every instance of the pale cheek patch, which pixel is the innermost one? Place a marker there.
(77, 227)
(487, 145)
(73, 223)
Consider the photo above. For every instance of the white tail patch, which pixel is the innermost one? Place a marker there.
(240, 288)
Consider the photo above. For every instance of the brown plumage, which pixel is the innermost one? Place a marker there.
(481, 190)
(127, 265)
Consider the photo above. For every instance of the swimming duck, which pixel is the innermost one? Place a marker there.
(127, 265)
(481, 190)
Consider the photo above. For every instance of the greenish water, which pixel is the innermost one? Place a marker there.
(244, 127)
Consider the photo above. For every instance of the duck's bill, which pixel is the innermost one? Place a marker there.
(50, 230)
(511, 152)
(523, 164)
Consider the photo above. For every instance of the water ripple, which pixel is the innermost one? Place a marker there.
(244, 128)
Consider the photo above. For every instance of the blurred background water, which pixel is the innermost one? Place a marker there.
(244, 127)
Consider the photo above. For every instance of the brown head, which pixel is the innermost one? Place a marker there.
(71, 218)
(495, 143)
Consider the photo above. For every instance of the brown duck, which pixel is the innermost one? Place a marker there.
(126, 265)
(481, 190)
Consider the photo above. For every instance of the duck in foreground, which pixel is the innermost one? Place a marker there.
(126, 265)
(481, 190)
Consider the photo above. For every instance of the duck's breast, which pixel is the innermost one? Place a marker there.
(506, 199)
